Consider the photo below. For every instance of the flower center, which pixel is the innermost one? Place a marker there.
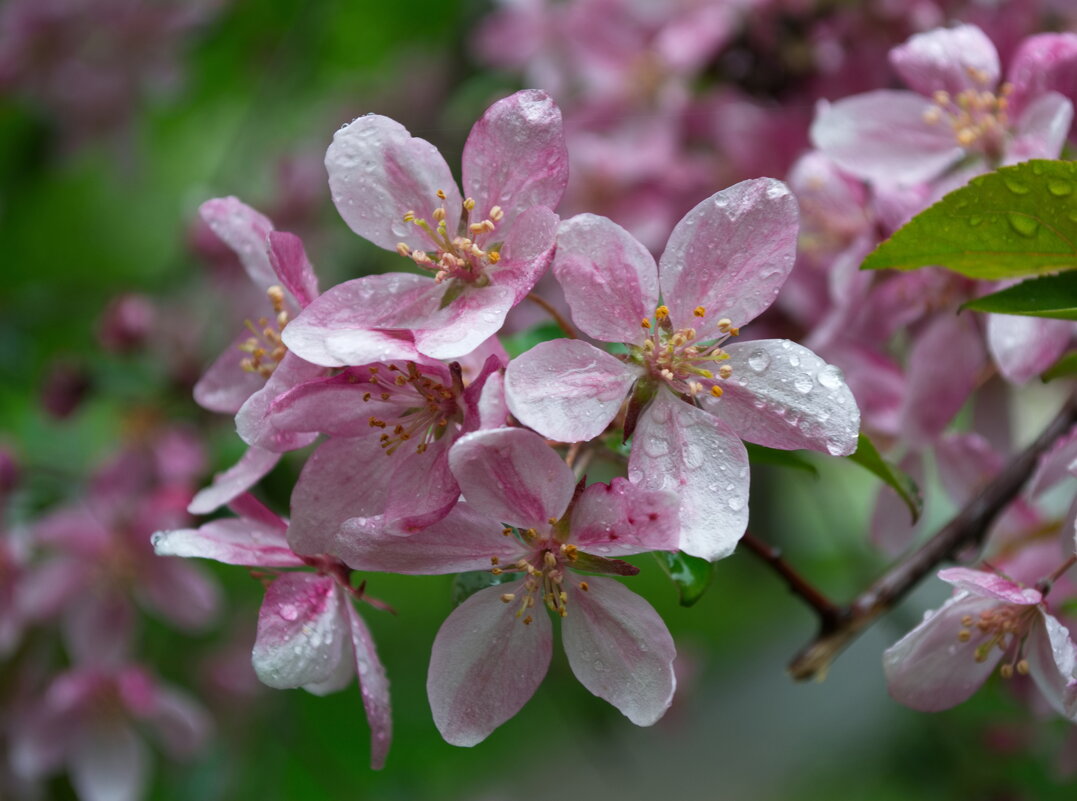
(977, 116)
(464, 255)
(544, 576)
(264, 347)
(689, 360)
(1004, 627)
(427, 404)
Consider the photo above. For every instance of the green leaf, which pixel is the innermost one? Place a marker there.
(525, 340)
(868, 457)
(1051, 296)
(691, 574)
(796, 460)
(464, 585)
(1016, 221)
(1065, 366)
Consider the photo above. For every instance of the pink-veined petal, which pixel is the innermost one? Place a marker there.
(1052, 662)
(1043, 63)
(620, 518)
(513, 476)
(781, 395)
(422, 489)
(730, 254)
(466, 322)
(1042, 130)
(619, 648)
(338, 482)
(527, 251)
(341, 326)
(234, 541)
(373, 687)
(515, 156)
(930, 669)
(301, 631)
(225, 386)
(109, 762)
(291, 265)
(233, 482)
(567, 389)
(245, 231)
(461, 541)
(687, 451)
(252, 420)
(378, 173)
(990, 585)
(610, 279)
(882, 136)
(485, 665)
(1023, 347)
(947, 59)
(484, 397)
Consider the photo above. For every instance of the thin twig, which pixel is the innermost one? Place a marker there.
(967, 529)
(562, 323)
(798, 585)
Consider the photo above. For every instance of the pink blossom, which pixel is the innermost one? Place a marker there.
(483, 250)
(696, 396)
(990, 619)
(957, 108)
(309, 634)
(493, 650)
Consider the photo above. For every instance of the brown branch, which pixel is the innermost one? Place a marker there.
(967, 529)
(828, 612)
(562, 323)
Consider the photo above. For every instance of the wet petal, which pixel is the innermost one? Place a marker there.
(1052, 662)
(567, 389)
(373, 687)
(301, 630)
(109, 762)
(882, 136)
(291, 265)
(1043, 63)
(1042, 130)
(619, 648)
(527, 252)
(485, 665)
(689, 452)
(465, 323)
(234, 541)
(513, 476)
(782, 395)
(730, 254)
(253, 423)
(947, 59)
(990, 585)
(620, 518)
(378, 173)
(245, 231)
(610, 279)
(1023, 347)
(225, 386)
(233, 482)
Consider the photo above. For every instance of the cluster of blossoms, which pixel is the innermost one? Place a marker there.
(442, 455)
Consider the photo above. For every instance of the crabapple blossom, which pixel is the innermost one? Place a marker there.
(309, 634)
(990, 619)
(524, 513)
(482, 252)
(693, 394)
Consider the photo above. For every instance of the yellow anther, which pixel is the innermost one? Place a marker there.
(1022, 667)
(493, 257)
(645, 323)
(497, 571)
(699, 311)
(469, 203)
(941, 97)
(932, 115)
(662, 312)
(725, 371)
(494, 560)
(496, 213)
(409, 216)
(441, 194)
(439, 214)
(570, 551)
(1006, 671)
(725, 324)
(508, 597)
(964, 635)
(527, 620)
(276, 297)
(552, 521)
(403, 249)
(506, 531)
(717, 391)
(584, 586)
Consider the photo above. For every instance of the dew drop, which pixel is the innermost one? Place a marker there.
(803, 384)
(759, 361)
(288, 612)
(735, 503)
(1015, 186)
(975, 220)
(1025, 226)
(1059, 188)
(829, 377)
(794, 360)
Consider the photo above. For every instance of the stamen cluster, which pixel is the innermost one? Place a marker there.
(462, 255)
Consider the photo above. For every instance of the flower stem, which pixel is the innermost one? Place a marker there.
(798, 585)
(562, 323)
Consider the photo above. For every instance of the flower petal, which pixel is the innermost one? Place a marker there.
(225, 386)
(619, 648)
(947, 59)
(245, 231)
(1043, 63)
(1023, 347)
(730, 254)
(1042, 130)
(378, 173)
(930, 669)
(301, 630)
(515, 156)
(781, 395)
(461, 541)
(610, 279)
(990, 585)
(469, 320)
(513, 476)
(485, 665)
(567, 389)
(232, 540)
(109, 762)
(291, 265)
(527, 252)
(620, 518)
(688, 451)
(253, 423)
(233, 482)
(373, 687)
(882, 136)
(180, 592)
(1052, 662)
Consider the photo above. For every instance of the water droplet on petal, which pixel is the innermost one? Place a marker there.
(759, 361)
(829, 377)
(288, 612)
(735, 503)
(803, 384)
